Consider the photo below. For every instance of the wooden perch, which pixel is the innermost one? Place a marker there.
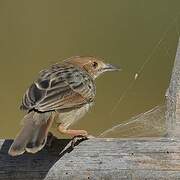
(96, 159)
(173, 99)
(147, 158)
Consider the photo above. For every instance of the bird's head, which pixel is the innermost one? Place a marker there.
(94, 66)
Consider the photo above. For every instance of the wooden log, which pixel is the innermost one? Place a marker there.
(173, 99)
(96, 159)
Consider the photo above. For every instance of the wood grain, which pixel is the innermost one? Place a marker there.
(173, 99)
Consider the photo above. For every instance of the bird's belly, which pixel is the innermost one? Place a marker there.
(68, 118)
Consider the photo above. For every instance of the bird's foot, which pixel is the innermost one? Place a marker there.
(79, 138)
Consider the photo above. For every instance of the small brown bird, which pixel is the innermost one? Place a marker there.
(66, 91)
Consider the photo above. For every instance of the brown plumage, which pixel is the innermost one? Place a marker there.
(66, 90)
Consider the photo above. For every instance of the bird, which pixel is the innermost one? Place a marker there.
(63, 93)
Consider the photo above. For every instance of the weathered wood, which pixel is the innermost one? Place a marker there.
(173, 99)
(96, 159)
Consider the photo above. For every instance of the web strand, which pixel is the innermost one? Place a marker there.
(146, 61)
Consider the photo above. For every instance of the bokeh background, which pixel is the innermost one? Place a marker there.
(37, 33)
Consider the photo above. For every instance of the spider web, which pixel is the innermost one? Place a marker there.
(152, 122)
(148, 124)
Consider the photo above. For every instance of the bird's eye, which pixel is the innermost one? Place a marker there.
(95, 64)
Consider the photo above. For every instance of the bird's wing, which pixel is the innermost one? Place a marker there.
(61, 87)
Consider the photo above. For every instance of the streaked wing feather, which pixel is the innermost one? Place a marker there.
(70, 101)
(60, 87)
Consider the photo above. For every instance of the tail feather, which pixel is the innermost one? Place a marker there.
(39, 139)
(33, 135)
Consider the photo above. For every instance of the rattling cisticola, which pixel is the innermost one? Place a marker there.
(66, 91)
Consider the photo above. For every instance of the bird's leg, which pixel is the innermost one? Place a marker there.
(76, 134)
(71, 132)
(50, 138)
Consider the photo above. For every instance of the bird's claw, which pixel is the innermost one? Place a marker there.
(77, 139)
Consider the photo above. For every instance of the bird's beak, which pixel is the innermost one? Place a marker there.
(110, 67)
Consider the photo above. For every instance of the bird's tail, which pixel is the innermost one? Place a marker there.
(33, 135)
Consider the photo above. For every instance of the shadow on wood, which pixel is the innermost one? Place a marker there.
(39, 163)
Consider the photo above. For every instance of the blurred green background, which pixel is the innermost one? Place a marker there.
(37, 33)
